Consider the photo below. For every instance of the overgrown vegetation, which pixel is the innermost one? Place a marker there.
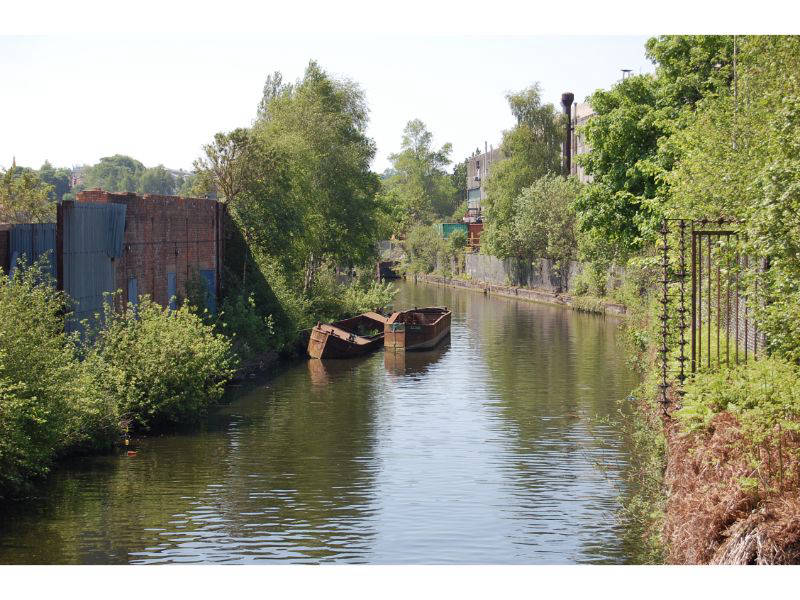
(429, 252)
(305, 209)
(713, 133)
(60, 394)
(161, 366)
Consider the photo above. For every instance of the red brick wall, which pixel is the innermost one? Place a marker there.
(163, 234)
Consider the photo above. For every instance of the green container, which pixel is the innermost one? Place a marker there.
(445, 229)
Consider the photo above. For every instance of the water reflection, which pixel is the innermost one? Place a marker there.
(401, 363)
(483, 450)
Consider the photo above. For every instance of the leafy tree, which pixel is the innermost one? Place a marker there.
(531, 150)
(25, 198)
(691, 67)
(421, 183)
(543, 225)
(315, 132)
(116, 173)
(60, 179)
(157, 180)
(459, 180)
(630, 138)
(739, 158)
(226, 163)
(623, 136)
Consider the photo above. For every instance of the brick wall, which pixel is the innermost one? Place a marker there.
(164, 234)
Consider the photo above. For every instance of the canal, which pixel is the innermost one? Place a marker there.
(497, 447)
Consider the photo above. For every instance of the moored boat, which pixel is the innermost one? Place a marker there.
(417, 329)
(347, 338)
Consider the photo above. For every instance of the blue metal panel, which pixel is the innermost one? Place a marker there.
(133, 291)
(33, 242)
(211, 290)
(87, 250)
(172, 290)
(115, 232)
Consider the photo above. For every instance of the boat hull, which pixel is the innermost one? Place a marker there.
(418, 329)
(341, 340)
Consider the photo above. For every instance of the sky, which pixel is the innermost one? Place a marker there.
(159, 97)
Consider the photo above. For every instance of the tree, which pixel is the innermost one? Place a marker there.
(118, 173)
(738, 158)
(543, 225)
(459, 180)
(25, 198)
(531, 150)
(313, 136)
(60, 179)
(630, 137)
(157, 180)
(421, 183)
(226, 163)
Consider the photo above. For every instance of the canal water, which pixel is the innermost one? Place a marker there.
(496, 447)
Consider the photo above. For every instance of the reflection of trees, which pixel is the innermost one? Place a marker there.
(555, 371)
(100, 509)
(280, 473)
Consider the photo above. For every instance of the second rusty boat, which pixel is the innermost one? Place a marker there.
(417, 329)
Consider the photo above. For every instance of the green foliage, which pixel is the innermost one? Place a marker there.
(691, 67)
(531, 151)
(540, 223)
(420, 184)
(59, 179)
(590, 282)
(302, 201)
(48, 399)
(762, 394)
(624, 163)
(157, 180)
(313, 141)
(630, 137)
(739, 158)
(120, 173)
(24, 197)
(251, 332)
(424, 246)
(162, 366)
(116, 173)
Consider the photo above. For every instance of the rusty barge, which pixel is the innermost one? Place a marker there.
(417, 329)
(348, 338)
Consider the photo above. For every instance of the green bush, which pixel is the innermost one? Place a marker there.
(251, 332)
(162, 366)
(763, 394)
(590, 282)
(48, 400)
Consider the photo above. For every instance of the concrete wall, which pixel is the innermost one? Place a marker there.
(538, 274)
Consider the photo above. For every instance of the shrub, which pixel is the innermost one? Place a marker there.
(763, 394)
(251, 332)
(48, 402)
(163, 366)
(424, 246)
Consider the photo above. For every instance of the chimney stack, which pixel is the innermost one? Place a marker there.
(566, 101)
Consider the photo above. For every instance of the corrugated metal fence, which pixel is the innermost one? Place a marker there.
(93, 236)
(31, 242)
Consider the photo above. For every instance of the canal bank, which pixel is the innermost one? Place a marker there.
(579, 303)
(498, 446)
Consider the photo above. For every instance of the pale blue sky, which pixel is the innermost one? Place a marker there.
(158, 98)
